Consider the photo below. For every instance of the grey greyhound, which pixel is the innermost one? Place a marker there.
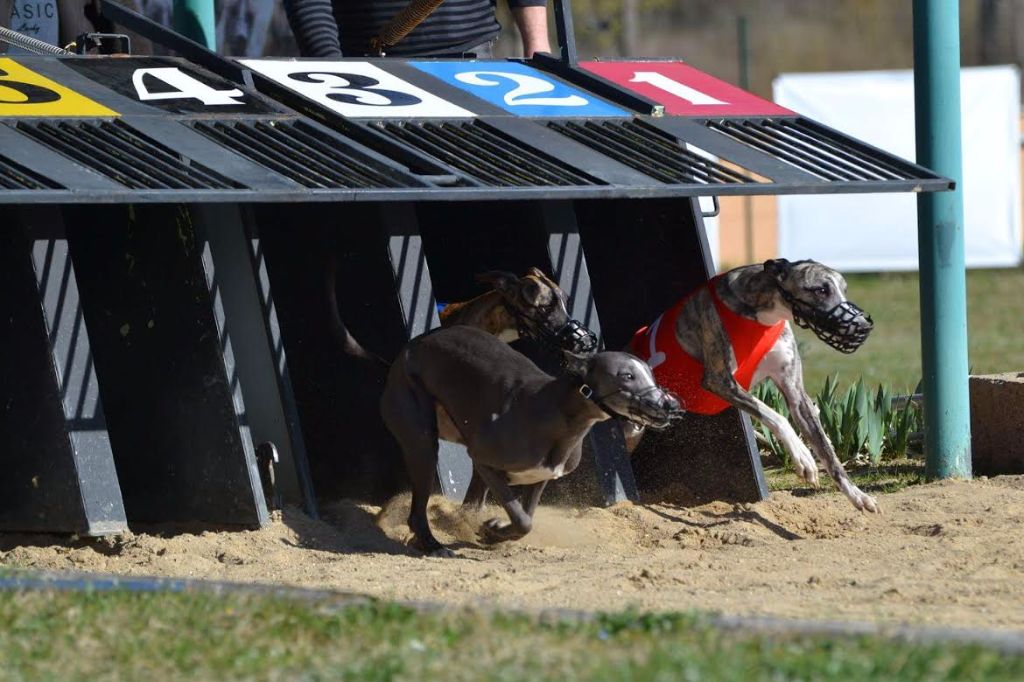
(521, 426)
(730, 334)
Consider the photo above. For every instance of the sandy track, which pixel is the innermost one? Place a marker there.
(942, 554)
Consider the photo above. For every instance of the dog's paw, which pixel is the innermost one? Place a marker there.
(442, 552)
(864, 502)
(804, 465)
(495, 530)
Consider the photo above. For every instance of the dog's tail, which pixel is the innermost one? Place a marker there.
(349, 345)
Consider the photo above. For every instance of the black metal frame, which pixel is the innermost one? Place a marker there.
(619, 189)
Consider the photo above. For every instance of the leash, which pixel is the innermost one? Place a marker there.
(402, 24)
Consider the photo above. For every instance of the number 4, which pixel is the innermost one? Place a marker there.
(185, 87)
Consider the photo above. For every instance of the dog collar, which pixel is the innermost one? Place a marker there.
(588, 393)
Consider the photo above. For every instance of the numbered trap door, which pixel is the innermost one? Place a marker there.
(473, 125)
(145, 129)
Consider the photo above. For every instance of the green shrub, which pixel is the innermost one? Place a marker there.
(858, 421)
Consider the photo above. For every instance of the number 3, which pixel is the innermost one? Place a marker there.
(351, 88)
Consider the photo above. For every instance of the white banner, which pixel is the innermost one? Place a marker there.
(878, 232)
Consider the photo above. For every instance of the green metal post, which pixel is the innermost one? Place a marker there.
(194, 19)
(940, 227)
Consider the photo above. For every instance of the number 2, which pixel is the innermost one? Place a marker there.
(526, 87)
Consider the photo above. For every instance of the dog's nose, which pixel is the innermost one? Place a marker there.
(669, 403)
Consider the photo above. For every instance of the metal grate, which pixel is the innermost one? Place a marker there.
(817, 150)
(486, 154)
(15, 176)
(117, 151)
(650, 151)
(300, 152)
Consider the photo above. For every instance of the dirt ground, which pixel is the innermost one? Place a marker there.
(948, 553)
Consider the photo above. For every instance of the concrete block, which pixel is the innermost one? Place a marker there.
(997, 423)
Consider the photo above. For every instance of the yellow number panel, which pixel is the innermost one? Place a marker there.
(24, 92)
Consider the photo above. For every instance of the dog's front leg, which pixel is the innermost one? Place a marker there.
(520, 520)
(784, 367)
(726, 388)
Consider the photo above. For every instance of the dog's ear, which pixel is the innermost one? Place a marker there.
(537, 272)
(577, 365)
(779, 268)
(499, 279)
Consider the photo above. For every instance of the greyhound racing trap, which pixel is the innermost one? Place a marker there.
(175, 237)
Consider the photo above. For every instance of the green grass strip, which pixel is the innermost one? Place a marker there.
(174, 636)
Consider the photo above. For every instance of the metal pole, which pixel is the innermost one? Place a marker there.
(195, 19)
(940, 227)
(744, 64)
(566, 32)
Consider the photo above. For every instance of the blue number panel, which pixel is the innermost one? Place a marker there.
(519, 89)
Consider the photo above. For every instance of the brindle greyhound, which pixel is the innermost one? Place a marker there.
(520, 425)
(531, 305)
(728, 335)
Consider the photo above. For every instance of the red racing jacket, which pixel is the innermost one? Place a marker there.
(681, 373)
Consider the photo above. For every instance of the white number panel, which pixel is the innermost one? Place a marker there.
(356, 89)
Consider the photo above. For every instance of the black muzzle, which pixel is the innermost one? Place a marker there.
(571, 336)
(640, 409)
(837, 327)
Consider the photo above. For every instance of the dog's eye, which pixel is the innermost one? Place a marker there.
(820, 291)
(628, 376)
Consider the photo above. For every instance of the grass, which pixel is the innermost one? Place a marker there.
(892, 355)
(121, 635)
(889, 477)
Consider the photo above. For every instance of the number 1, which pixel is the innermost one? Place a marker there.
(663, 82)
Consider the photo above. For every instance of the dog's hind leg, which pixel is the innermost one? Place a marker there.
(783, 366)
(520, 520)
(476, 492)
(409, 413)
